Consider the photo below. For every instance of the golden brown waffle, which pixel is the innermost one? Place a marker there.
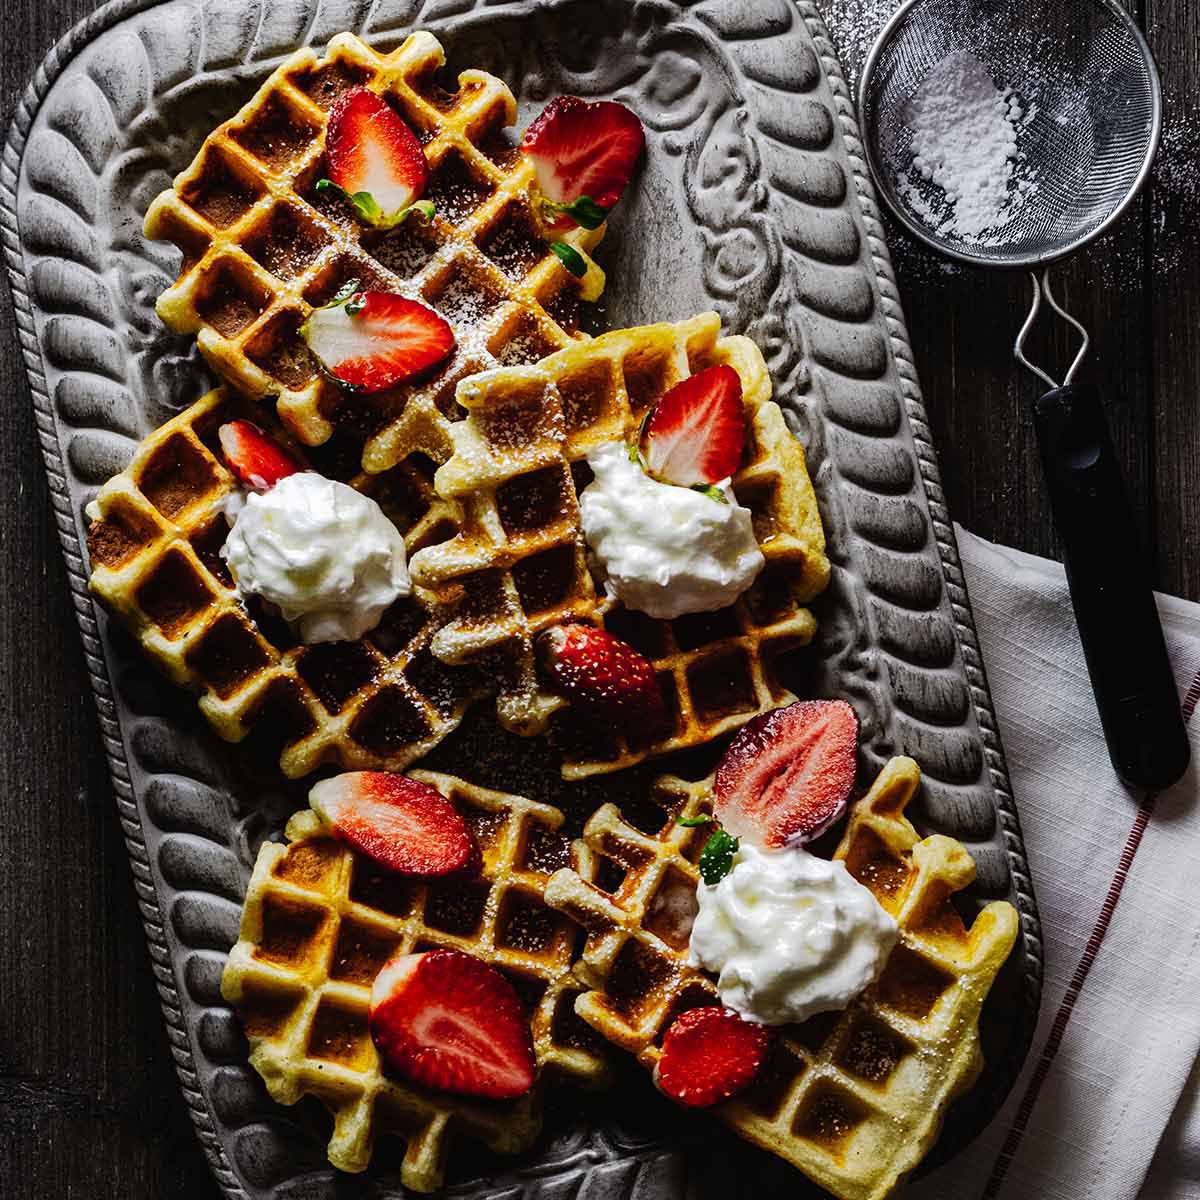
(519, 563)
(154, 544)
(261, 247)
(320, 921)
(853, 1099)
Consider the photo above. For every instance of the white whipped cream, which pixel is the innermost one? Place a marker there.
(322, 553)
(661, 549)
(789, 935)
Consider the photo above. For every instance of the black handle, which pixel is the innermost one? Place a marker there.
(1114, 606)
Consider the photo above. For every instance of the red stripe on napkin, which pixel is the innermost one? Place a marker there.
(1067, 1005)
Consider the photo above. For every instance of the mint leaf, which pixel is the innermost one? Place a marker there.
(711, 491)
(356, 304)
(344, 293)
(716, 859)
(586, 212)
(693, 822)
(570, 258)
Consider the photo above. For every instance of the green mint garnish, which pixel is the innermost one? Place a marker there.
(570, 258)
(584, 211)
(693, 822)
(344, 293)
(711, 491)
(716, 859)
(368, 208)
(355, 304)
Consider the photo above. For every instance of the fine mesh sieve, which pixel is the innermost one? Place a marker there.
(1082, 72)
(1087, 91)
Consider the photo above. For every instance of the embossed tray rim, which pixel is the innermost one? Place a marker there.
(58, 58)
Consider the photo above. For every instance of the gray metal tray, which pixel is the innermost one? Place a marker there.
(754, 202)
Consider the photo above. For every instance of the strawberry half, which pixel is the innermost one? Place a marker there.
(602, 674)
(583, 156)
(256, 458)
(788, 774)
(452, 1022)
(708, 1055)
(697, 431)
(375, 160)
(373, 341)
(402, 824)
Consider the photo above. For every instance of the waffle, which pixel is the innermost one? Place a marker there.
(261, 247)
(519, 563)
(320, 921)
(154, 544)
(853, 1099)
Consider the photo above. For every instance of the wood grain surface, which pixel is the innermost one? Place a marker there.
(88, 1100)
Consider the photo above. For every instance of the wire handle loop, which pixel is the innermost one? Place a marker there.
(1042, 287)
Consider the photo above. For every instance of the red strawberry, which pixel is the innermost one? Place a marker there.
(709, 1054)
(404, 825)
(583, 157)
(374, 159)
(452, 1022)
(255, 457)
(696, 433)
(376, 340)
(788, 774)
(602, 674)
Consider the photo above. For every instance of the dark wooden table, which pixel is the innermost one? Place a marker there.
(88, 1100)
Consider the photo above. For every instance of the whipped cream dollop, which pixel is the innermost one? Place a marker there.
(322, 553)
(789, 935)
(661, 549)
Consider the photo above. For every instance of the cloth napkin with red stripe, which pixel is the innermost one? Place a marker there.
(1106, 1106)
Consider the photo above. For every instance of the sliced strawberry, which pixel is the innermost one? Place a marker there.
(255, 457)
(708, 1055)
(697, 431)
(374, 159)
(452, 1022)
(403, 824)
(602, 674)
(788, 774)
(583, 156)
(377, 340)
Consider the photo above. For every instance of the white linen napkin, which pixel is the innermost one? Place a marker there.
(1103, 1109)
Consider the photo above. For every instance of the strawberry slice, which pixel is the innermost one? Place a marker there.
(373, 341)
(375, 160)
(708, 1055)
(583, 156)
(402, 824)
(256, 458)
(602, 674)
(788, 774)
(452, 1022)
(696, 433)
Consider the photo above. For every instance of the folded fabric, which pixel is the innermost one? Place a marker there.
(1105, 1091)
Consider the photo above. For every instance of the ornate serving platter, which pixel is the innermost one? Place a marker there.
(755, 202)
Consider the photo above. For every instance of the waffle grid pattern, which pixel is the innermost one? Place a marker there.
(261, 247)
(519, 563)
(154, 543)
(319, 923)
(853, 1099)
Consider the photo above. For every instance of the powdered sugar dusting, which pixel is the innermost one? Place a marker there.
(965, 152)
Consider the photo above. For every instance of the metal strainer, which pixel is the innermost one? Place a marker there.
(1086, 84)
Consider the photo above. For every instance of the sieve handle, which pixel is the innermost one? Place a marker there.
(1110, 590)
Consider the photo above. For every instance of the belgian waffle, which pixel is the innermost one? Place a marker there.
(853, 1099)
(321, 920)
(262, 247)
(519, 564)
(154, 544)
